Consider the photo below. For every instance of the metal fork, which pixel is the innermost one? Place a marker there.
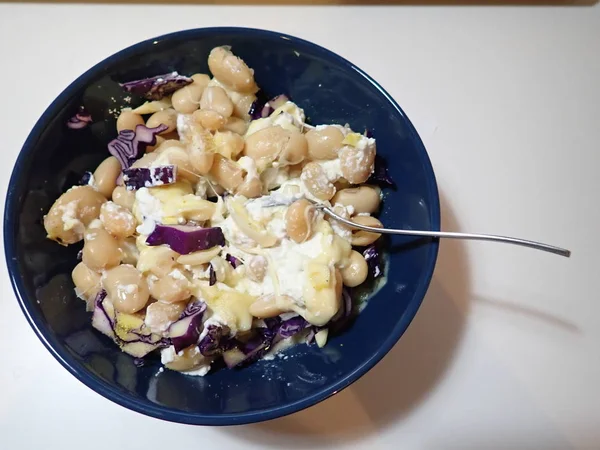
(447, 234)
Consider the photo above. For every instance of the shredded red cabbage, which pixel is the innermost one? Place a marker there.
(215, 341)
(101, 320)
(380, 175)
(155, 88)
(80, 120)
(139, 362)
(136, 342)
(186, 331)
(261, 109)
(292, 326)
(85, 179)
(235, 262)
(193, 308)
(278, 101)
(139, 177)
(186, 239)
(212, 275)
(374, 262)
(129, 145)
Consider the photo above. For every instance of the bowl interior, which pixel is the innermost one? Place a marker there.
(330, 90)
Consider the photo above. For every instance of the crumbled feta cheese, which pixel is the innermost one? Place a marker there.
(199, 371)
(288, 262)
(332, 169)
(177, 274)
(183, 126)
(96, 223)
(215, 320)
(69, 219)
(167, 355)
(344, 129)
(150, 208)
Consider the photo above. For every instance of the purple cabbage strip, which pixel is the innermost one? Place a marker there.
(185, 239)
(266, 111)
(129, 145)
(255, 110)
(380, 175)
(139, 362)
(261, 109)
(157, 87)
(148, 339)
(285, 328)
(139, 177)
(275, 329)
(215, 341)
(186, 331)
(80, 120)
(193, 308)
(278, 101)
(374, 261)
(235, 262)
(85, 179)
(101, 320)
(292, 326)
(258, 345)
(310, 337)
(212, 276)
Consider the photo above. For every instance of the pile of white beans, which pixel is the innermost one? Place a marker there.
(209, 131)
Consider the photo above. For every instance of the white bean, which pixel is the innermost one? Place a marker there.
(126, 288)
(364, 199)
(299, 220)
(324, 143)
(214, 98)
(166, 117)
(362, 238)
(231, 70)
(117, 220)
(355, 271)
(71, 213)
(187, 99)
(100, 250)
(128, 120)
(316, 181)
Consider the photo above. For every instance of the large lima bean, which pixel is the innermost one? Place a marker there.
(362, 238)
(299, 220)
(126, 288)
(363, 199)
(86, 281)
(100, 250)
(71, 213)
(231, 71)
(324, 143)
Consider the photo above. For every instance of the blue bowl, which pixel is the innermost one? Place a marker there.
(331, 90)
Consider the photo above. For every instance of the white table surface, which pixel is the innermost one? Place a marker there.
(504, 353)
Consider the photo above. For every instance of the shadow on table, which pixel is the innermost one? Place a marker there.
(336, 2)
(398, 384)
(519, 309)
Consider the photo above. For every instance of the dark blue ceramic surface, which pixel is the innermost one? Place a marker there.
(331, 90)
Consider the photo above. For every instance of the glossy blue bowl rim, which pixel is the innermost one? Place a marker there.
(147, 408)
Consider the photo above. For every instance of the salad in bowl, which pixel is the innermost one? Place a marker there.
(202, 237)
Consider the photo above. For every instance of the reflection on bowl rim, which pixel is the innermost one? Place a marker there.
(160, 412)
